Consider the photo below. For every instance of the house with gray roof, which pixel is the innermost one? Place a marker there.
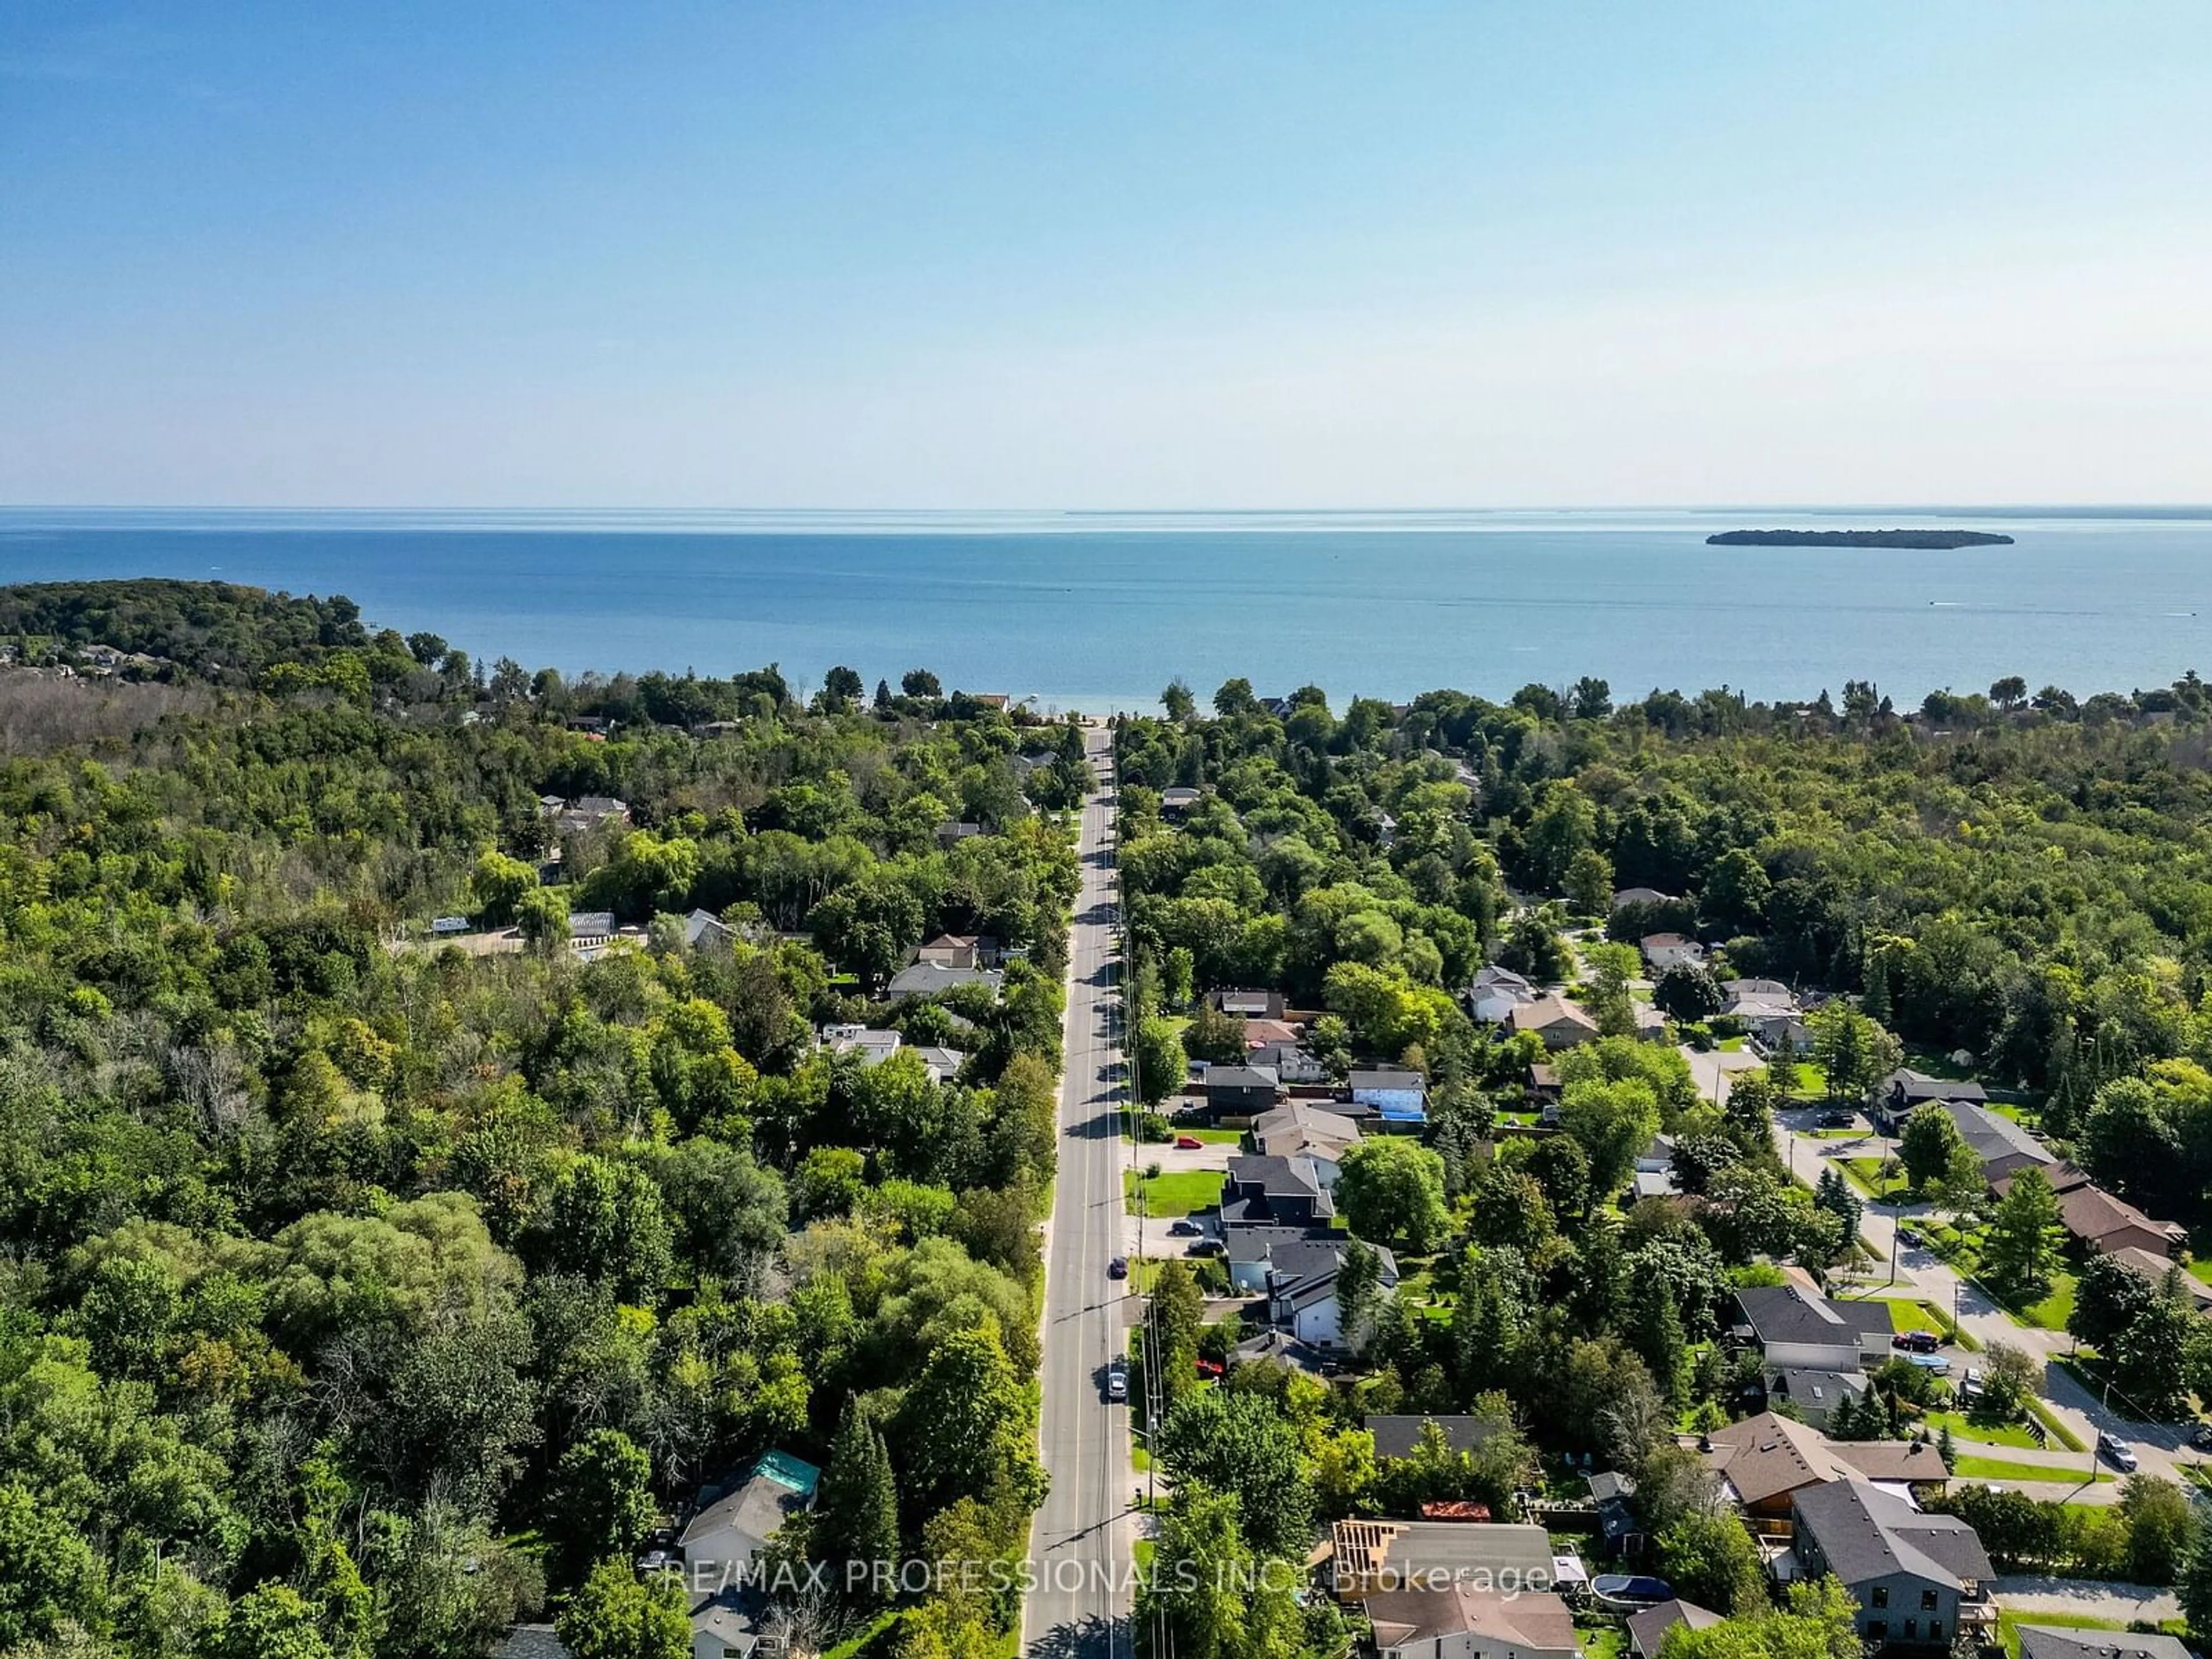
(1398, 1436)
(1918, 1579)
(2053, 1642)
(1797, 1329)
(929, 979)
(2003, 1146)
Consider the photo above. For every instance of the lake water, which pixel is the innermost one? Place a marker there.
(1101, 611)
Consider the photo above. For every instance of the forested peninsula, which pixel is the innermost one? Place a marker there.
(1931, 540)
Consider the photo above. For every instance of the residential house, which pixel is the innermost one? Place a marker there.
(531, 1642)
(1298, 1130)
(961, 951)
(1654, 1175)
(1815, 1395)
(873, 1047)
(1763, 990)
(1542, 1084)
(725, 1628)
(927, 979)
(1367, 1557)
(1178, 799)
(1495, 994)
(1248, 1005)
(1282, 1192)
(704, 931)
(1269, 1033)
(1297, 1066)
(2098, 1219)
(1249, 1252)
(1241, 1090)
(1918, 1579)
(1561, 1023)
(1796, 1327)
(1898, 1096)
(727, 1534)
(1647, 1630)
(1397, 1436)
(953, 831)
(2055, 1642)
(1766, 1460)
(1458, 1621)
(1398, 1096)
(586, 813)
(1665, 951)
(941, 1063)
(1302, 1296)
(2156, 1269)
(1628, 896)
(2003, 1146)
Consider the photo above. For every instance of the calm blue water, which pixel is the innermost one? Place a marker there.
(1101, 611)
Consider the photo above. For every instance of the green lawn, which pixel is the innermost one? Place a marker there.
(1912, 1317)
(1998, 1468)
(1812, 1081)
(1174, 1192)
(1865, 1174)
(1966, 1428)
(2053, 1310)
(2200, 1270)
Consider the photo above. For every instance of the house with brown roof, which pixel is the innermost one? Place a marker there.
(2156, 1267)
(1766, 1460)
(1459, 1621)
(1561, 1023)
(2101, 1221)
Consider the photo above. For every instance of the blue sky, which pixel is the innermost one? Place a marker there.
(1037, 255)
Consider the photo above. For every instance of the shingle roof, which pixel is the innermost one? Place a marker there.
(1992, 1135)
(2049, 1642)
(1647, 1629)
(1397, 1436)
(1538, 1622)
(1783, 1313)
(1550, 1010)
(1864, 1533)
(1766, 1456)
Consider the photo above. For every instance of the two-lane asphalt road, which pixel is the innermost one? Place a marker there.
(1081, 1542)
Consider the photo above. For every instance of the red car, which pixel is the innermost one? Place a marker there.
(1188, 1143)
(1209, 1367)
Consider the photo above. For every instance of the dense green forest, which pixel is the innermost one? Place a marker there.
(362, 1293)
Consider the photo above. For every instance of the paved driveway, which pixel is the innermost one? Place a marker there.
(2031, 1593)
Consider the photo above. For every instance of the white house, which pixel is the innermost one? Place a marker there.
(1495, 994)
(1665, 951)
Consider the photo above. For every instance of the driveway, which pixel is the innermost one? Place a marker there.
(1711, 1068)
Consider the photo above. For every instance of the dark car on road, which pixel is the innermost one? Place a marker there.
(1185, 1229)
(1836, 1120)
(1118, 1268)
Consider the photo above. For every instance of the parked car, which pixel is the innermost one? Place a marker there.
(2117, 1452)
(1917, 1342)
(1929, 1362)
(1117, 1381)
(1188, 1144)
(1185, 1229)
(1836, 1120)
(1205, 1247)
(2203, 1438)
(1209, 1367)
(1118, 1268)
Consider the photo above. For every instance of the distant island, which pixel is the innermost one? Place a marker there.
(1937, 539)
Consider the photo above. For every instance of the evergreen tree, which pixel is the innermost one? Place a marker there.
(1946, 1447)
(856, 1518)
(1833, 1194)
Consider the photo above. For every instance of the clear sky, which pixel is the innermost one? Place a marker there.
(734, 253)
